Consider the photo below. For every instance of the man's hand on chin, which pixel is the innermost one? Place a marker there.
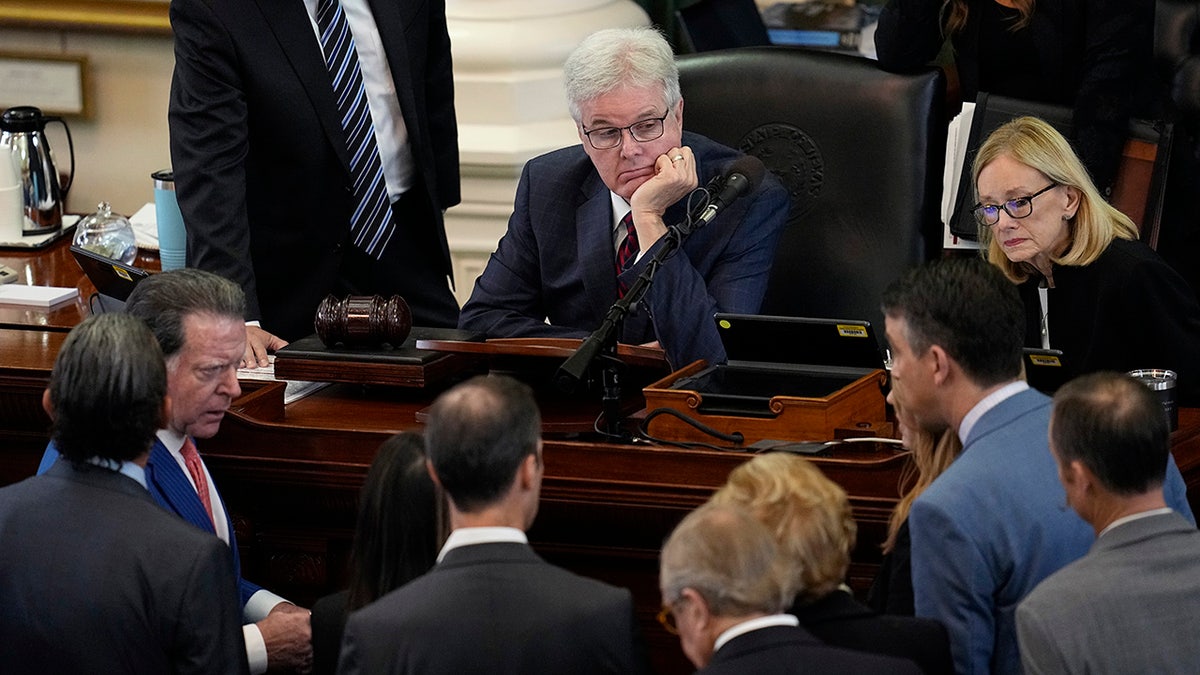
(675, 177)
(287, 633)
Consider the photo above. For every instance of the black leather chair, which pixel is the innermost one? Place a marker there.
(859, 149)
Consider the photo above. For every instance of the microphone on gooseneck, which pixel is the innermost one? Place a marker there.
(742, 177)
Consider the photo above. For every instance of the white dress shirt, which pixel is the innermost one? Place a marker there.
(390, 133)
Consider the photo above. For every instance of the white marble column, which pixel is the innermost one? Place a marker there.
(508, 57)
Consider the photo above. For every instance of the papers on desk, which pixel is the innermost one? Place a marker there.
(957, 136)
(145, 227)
(36, 296)
(296, 389)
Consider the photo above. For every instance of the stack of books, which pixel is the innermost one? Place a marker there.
(823, 25)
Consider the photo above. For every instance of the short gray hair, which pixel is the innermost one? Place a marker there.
(164, 300)
(729, 558)
(620, 57)
(107, 389)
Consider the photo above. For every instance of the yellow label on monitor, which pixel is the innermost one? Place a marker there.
(122, 273)
(724, 323)
(1045, 360)
(846, 330)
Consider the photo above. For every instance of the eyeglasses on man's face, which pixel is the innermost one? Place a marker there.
(643, 131)
(1021, 207)
(666, 617)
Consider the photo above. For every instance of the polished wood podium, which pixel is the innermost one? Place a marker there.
(291, 474)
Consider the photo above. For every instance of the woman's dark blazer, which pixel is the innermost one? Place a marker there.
(1129, 309)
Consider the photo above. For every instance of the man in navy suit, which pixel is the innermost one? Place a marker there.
(994, 524)
(197, 318)
(491, 604)
(569, 251)
(94, 576)
(266, 175)
(725, 588)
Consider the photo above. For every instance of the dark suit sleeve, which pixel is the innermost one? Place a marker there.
(508, 299)
(209, 142)
(682, 302)
(439, 94)
(209, 627)
(909, 34)
(1119, 35)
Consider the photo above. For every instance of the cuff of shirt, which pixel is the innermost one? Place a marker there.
(256, 649)
(260, 605)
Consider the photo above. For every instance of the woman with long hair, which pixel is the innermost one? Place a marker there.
(401, 527)
(892, 591)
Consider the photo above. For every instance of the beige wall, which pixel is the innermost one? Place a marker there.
(125, 139)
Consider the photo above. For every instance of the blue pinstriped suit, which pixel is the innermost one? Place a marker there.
(173, 491)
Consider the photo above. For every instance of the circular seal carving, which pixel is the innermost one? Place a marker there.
(793, 156)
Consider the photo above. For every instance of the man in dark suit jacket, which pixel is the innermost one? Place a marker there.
(96, 578)
(1129, 605)
(492, 605)
(262, 164)
(559, 259)
(724, 586)
(196, 317)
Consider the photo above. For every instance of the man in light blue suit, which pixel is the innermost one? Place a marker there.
(569, 249)
(198, 319)
(1129, 605)
(995, 523)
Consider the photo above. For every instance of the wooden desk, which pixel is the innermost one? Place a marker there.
(54, 266)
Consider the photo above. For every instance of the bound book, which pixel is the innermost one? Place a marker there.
(822, 25)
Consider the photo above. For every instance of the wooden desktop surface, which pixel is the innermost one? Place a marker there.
(291, 474)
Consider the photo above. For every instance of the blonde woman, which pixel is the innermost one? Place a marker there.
(892, 591)
(1092, 55)
(811, 519)
(1089, 287)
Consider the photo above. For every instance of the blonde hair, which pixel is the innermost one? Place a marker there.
(930, 458)
(809, 515)
(1038, 145)
(956, 12)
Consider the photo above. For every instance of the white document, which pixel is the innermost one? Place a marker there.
(36, 296)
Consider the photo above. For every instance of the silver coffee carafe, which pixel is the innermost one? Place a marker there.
(24, 130)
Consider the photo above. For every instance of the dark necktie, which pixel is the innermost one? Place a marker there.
(626, 252)
(371, 223)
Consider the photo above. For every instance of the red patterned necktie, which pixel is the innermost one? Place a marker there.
(192, 459)
(626, 252)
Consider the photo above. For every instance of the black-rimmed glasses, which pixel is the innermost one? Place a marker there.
(643, 131)
(1021, 207)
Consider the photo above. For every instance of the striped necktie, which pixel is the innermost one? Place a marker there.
(371, 224)
(626, 252)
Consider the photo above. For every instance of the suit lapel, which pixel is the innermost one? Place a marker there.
(293, 31)
(596, 256)
(172, 489)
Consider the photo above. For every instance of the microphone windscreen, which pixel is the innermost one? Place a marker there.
(749, 166)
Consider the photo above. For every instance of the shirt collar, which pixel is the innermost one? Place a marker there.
(752, 625)
(987, 403)
(470, 536)
(172, 440)
(124, 468)
(1162, 511)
